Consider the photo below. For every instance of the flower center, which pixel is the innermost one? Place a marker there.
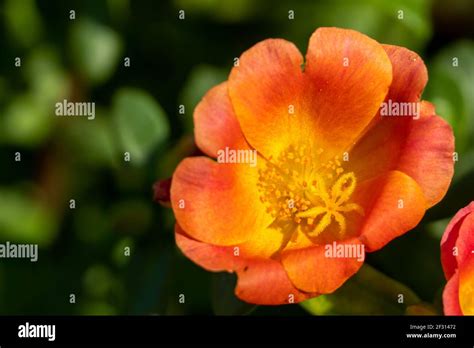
(299, 189)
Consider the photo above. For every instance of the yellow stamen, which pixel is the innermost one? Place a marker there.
(295, 189)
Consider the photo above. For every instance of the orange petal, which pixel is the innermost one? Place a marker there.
(409, 78)
(409, 74)
(350, 74)
(266, 282)
(394, 204)
(451, 296)
(218, 203)
(260, 281)
(215, 124)
(448, 242)
(325, 99)
(312, 269)
(267, 81)
(378, 151)
(421, 148)
(428, 157)
(466, 284)
(211, 257)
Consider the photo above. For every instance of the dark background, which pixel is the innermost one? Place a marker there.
(174, 62)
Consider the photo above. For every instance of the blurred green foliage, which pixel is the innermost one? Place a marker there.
(138, 61)
(24, 220)
(23, 21)
(451, 90)
(141, 123)
(404, 22)
(232, 11)
(95, 50)
(368, 292)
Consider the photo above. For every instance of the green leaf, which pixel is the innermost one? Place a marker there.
(95, 49)
(46, 78)
(141, 123)
(451, 89)
(200, 80)
(369, 292)
(26, 121)
(24, 220)
(23, 21)
(224, 301)
(29, 118)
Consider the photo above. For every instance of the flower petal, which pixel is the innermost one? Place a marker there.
(215, 124)
(350, 74)
(466, 284)
(451, 296)
(266, 282)
(465, 241)
(328, 96)
(260, 281)
(262, 87)
(409, 78)
(448, 241)
(409, 74)
(218, 203)
(211, 257)
(428, 157)
(264, 243)
(312, 270)
(421, 148)
(394, 204)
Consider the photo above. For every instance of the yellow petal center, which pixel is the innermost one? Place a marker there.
(299, 188)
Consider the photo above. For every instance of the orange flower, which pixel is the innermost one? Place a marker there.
(457, 257)
(332, 176)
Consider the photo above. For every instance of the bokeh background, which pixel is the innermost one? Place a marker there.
(174, 62)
